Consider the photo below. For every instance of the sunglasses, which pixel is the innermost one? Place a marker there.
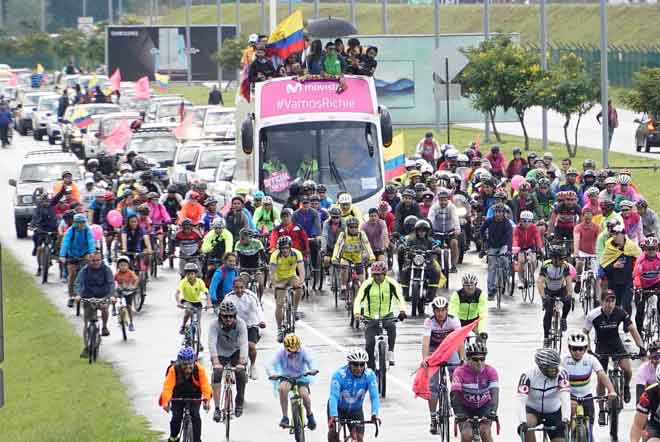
(478, 359)
(358, 364)
(577, 348)
(227, 316)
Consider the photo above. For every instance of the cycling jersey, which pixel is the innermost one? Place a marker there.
(217, 244)
(331, 231)
(309, 220)
(607, 326)
(566, 216)
(189, 243)
(437, 332)
(544, 395)
(467, 308)
(299, 238)
(265, 219)
(579, 373)
(191, 210)
(474, 387)
(159, 214)
(378, 300)
(376, 233)
(352, 248)
(134, 239)
(172, 205)
(285, 267)
(347, 392)
(444, 219)
(649, 403)
(208, 219)
(647, 271)
(292, 365)
(192, 292)
(250, 254)
(588, 235)
(528, 238)
(554, 276)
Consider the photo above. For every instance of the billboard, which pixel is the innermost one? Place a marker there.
(143, 50)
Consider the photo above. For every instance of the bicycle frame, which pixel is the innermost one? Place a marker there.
(502, 273)
(348, 429)
(475, 423)
(381, 348)
(93, 340)
(186, 426)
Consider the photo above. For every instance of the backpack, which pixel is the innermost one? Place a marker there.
(174, 366)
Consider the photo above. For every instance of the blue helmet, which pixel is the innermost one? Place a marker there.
(79, 218)
(258, 195)
(186, 354)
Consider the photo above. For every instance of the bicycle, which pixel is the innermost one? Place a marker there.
(381, 360)
(444, 406)
(475, 423)
(170, 245)
(555, 334)
(650, 331)
(156, 248)
(542, 428)
(335, 283)
(186, 434)
(253, 275)
(348, 429)
(528, 284)
(588, 298)
(122, 313)
(316, 270)
(289, 321)
(444, 254)
(137, 265)
(192, 334)
(580, 423)
(228, 378)
(352, 287)
(297, 428)
(48, 250)
(93, 341)
(504, 276)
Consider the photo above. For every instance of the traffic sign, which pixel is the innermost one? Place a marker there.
(457, 61)
(440, 92)
(86, 25)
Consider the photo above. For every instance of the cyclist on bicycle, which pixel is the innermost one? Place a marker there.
(580, 366)
(192, 209)
(607, 213)
(646, 423)
(223, 278)
(645, 375)
(211, 213)
(94, 280)
(546, 198)
(266, 215)
(526, 237)
(545, 396)
(44, 221)
(436, 329)
(345, 205)
(605, 321)
(646, 276)
(565, 216)
(616, 266)
(238, 217)
(296, 233)
(251, 255)
(228, 345)
(376, 299)
(331, 230)
(190, 292)
(469, 303)
(292, 360)
(77, 244)
(135, 240)
(126, 279)
(348, 388)
(475, 391)
(650, 220)
(172, 201)
(185, 379)
(310, 221)
(376, 231)
(352, 246)
(585, 235)
(284, 263)
(497, 234)
(189, 242)
(419, 239)
(216, 243)
(444, 219)
(554, 282)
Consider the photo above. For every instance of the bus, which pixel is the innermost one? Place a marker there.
(293, 131)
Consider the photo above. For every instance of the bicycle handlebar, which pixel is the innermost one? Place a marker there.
(617, 356)
(375, 423)
(294, 380)
(479, 419)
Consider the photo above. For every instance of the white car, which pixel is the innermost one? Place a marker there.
(46, 112)
(220, 122)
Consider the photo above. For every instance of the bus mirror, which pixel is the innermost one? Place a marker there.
(247, 137)
(385, 126)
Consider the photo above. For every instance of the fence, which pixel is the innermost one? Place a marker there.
(622, 61)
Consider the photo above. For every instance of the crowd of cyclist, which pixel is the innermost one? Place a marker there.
(446, 200)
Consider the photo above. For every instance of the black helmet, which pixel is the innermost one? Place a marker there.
(171, 188)
(589, 163)
(548, 360)
(420, 187)
(146, 175)
(554, 251)
(409, 223)
(284, 241)
(390, 189)
(475, 349)
(321, 188)
(143, 209)
(334, 211)
(408, 192)
(187, 222)
(352, 221)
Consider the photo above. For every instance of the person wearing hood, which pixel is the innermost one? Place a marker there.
(616, 266)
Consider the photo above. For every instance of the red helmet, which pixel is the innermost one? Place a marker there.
(194, 195)
(108, 196)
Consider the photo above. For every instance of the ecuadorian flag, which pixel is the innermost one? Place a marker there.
(394, 158)
(162, 81)
(287, 38)
(81, 118)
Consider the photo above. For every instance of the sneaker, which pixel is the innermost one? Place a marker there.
(434, 425)
(602, 418)
(491, 296)
(105, 331)
(578, 286)
(217, 415)
(131, 327)
(253, 373)
(564, 326)
(70, 303)
(390, 357)
(238, 410)
(284, 422)
(85, 353)
(311, 422)
(626, 394)
(453, 270)
(182, 330)
(280, 335)
(173, 439)
(38, 272)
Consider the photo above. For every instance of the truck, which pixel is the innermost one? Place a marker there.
(331, 131)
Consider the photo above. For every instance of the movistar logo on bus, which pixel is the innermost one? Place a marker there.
(295, 88)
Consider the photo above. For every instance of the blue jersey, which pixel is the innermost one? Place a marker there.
(347, 392)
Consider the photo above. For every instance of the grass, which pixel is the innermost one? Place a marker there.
(198, 94)
(628, 24)
(52, 394)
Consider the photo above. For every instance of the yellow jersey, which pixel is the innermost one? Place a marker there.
(192, 293)
(285, 267)
(352, 248)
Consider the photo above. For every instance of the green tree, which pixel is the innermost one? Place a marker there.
(229, 57)
(644, 96)
(70, 44)
(36, 45)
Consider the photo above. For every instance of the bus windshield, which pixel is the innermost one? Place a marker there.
(343, 155)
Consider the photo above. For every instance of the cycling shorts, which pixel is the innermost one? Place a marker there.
(253, 334)
(588, 405)
(551, 420)
(473, 412)
(357, 415)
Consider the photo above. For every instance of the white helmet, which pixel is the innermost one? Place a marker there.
(451, 153)
(626, 203)
(624, 179)
(462, 158)
(592, 191)
(253, 38)
(610, 180)
(577, 339)
(357, 354)
(427, 168)
(420, 163)
(469, 279)
(410, 163)
(268, 200)
(345, 198)
(439, 302)
(527, 215)
(218, 223)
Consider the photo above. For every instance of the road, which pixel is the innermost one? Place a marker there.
(515, 332)
(588, 136)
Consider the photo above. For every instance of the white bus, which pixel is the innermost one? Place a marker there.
(294, 130)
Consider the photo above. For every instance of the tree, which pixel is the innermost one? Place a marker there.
(36, 45)
(70, 44)
(644, 96)
(568, 89)
(229, 57)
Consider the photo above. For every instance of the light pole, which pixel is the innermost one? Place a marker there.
(543, 29)
(272, 16)
(238, 17)
(84, 8)
(218, 6)
(351, 7)
(111, 18)
(436, 31)
(188, 43)
(384, 17)
(486, 37)
(43, 15)
(604, 83)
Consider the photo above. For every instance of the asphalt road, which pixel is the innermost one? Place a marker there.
(515, 332)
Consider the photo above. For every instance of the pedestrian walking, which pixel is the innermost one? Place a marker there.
(5, 121)
(612, 120)
(215, 96)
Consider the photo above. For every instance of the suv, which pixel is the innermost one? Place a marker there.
(46, 112)
(72, 136)
(166, 110)
(92, 141)
(39, 168)
(27, 105)
(647, 134)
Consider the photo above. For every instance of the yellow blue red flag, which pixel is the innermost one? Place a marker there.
(287, 38)
(394, 158)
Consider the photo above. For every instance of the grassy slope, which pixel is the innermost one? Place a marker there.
(628, 24)
(52, 394)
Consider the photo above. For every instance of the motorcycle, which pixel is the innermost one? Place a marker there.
(417, 261)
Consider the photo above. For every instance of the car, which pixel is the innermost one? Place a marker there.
(647, 134)
(199, 161)
(70, 133)
(40, 168)
(220, 121)
(27, 105)
(166, 110)
(92, 140)
(46, 112)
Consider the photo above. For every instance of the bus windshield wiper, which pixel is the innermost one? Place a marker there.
(334, 172)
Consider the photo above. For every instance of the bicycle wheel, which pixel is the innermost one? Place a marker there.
(445, 266)
(290, 316)
(141, 294)
(382, 368)
(194, 338)
(153, 264)
(530, 282)
(415, 295)
(45, 263)
(228, 410)
(556, 332)
(586, 296)
(614, 420)
(510, 278)
(92, 331)
(580, 433)
(298, 423)
(444, 416)
(500, 287)
(186, 432)
(123, 321)
(335, 286)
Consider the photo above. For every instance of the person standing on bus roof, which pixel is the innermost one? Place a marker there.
(261, 68)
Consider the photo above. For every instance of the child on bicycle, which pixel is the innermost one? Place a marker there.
(126, 280)
(190, 292)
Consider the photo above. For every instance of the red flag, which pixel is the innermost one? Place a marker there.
(184, 129)
(115, 80)
(245, 83)
(13, 80)
(441, 355)
(182, 111)
(116, 141)
(142, 91)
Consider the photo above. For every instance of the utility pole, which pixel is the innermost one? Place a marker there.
(262, 17)
(2, 13)
(272, 18)
(43, 15)
(604, 83)
(486, 37)
(120, 10)
(84, 8)
(317, 8)
(111, 18)
(351, 7)
(543, 29)
(436, 31)
(238, 17)
(188, 43)
(218, 6)
(384, 17)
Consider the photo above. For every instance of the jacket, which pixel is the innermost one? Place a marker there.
(265, 219)
(45, 218)
(309, 220)
(468, 307)
(77, 243)
(299, 238)
(352, 248)
(222, 283)
(199, 379)
(499, 233)
(5, 118)
(402, 212)
(330, 235)
(378, 300)
(217, 245)
(647, 271)
(94, 283)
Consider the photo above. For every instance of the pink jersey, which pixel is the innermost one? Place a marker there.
(647, 271)
(645, 374)
(474, 387)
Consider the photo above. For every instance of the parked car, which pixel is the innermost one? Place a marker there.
(46, 111)
(647, 134)
(40, 168)
(27, 105)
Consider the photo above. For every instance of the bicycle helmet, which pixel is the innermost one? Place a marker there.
(146, 174)
(499, 208)
(516, 150)
(451, 154)
(352, 221)
(606, 202)
(572, 171)
(626, 203)
(442, 193)
(592, 191)
(420, 187)
(439, 302)
(618, 229)
(378, 268)
(610, 180)
(642, 203)
(291, 343)
(267, 201)
(68, 215)
(244, 232)
(577, 339)
(547, 359)
(309, 185)
(227, 308)
(283, 241)
(171, 188)
(470, 279)
(475, 349)
(409, 223)
(79, 218)
(209, 201)
(524, 187)
(499, 195)
(143, 209)
(191, 267)
(345, 198)
(186, 355)
(321, 188)
(591, 164)
(390, 189)
(258, 195)
(334, 212)
(624, 179)
(554, 251)
(650, 242)
(286, 212)
(526, 215)
(408, 192)
(427, 168)
(589, 173)
(612, 223)
(357, 354)
(152, 195)
(127, 177)
(123, 258)
(409, 164)
(462, 158)
(544, 182)
(218, 223)
(422, 224)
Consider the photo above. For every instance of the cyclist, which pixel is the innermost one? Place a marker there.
(94, 280)
(292, 360)
(591, 200)
(605, 321)
(190, 292)
(526, 237)
(390, 196)
(616, 266)
(545, 396)
(650, 221)
(266, 215)
(228, 345)
(632, 221)
(345, 204)
(284, 262)
(646, 276)
(646, 424)
(296, 234)
(571, 185)
(376, 299)
(189, 242)
(565, 216)
(44, 221)
(585, 235)
(436, 329)
(497, 234)
(406, 208)
(351, 246)
(419, 239)
(223, 278)
(310, 221)
(238, 217)
(604, 235)
(546, 198)
(376, 231)
(475, 391)
(469, 303)
(646, 372)
(135, 240)
(554, 281)
(444, 219)
(251, 255)
(211, 213)
(607, 213)
(77, 244)
(249, 310)
(185, 379)
(523, 201)
(325, 200)
(172, 201)
(126, 279)
(315, 203)
(192, 209)
(580, 366)
(217, 242)
(68, 183)
(348, 387)
(331, 230)
(159, 217)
